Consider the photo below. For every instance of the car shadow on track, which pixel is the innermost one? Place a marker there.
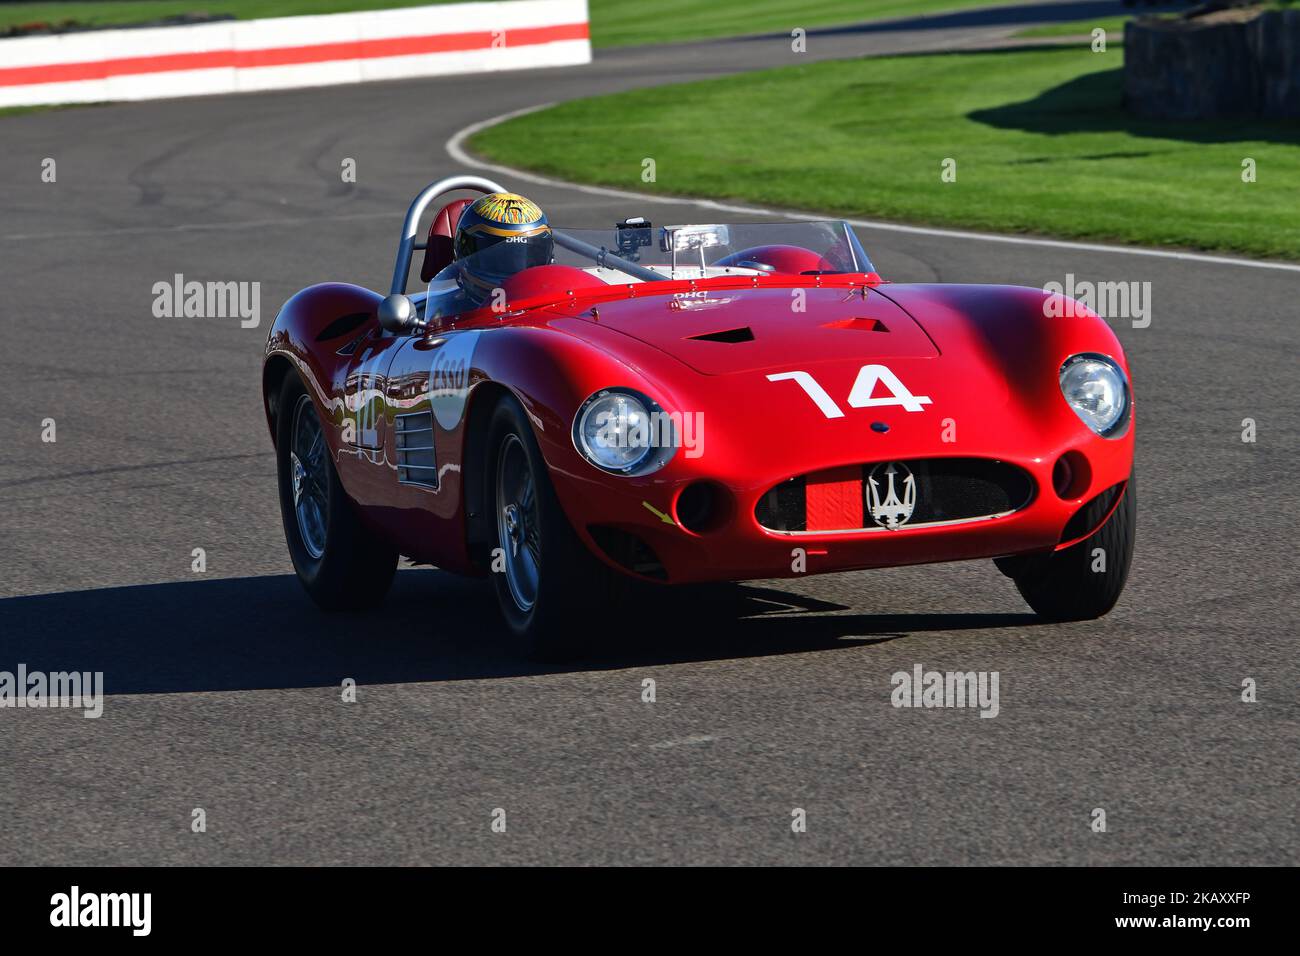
(262, 632)
(1021, 14)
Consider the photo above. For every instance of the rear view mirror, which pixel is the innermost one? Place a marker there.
(397, 315)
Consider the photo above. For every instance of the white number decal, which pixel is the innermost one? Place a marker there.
(814, 390)
(869, 376)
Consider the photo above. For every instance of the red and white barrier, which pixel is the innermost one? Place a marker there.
(241, 55)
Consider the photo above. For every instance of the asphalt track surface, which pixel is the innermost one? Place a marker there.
(224, 686)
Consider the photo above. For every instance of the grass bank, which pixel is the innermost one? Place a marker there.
(1040, 141)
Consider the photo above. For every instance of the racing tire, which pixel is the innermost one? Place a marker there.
(1062, 585)
(549, 587)
(342, 565)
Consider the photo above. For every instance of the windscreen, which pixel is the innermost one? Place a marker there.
(639, 250)
(829, 244)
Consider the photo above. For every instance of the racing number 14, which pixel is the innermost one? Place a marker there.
(869, 376)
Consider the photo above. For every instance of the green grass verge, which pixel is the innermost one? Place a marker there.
(613, 22)
(1040, 140)
(1114, 27)
(45, 108)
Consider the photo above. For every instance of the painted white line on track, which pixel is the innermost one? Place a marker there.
(456, 150)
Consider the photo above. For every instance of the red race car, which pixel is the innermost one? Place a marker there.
(573, 411)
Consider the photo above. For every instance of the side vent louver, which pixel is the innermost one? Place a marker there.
(416, 464)
(342, 326)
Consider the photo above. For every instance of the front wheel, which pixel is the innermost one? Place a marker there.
(548, 585)
(341, 564)
(1085, 580)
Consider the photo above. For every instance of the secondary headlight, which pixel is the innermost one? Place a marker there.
(1095, 387)
(623, 431)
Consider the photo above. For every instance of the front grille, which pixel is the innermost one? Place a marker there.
(947, 491)
(413, 436)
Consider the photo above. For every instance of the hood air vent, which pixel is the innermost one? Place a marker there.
(742, 334)
(858, 324)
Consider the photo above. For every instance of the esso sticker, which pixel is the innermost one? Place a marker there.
(449, 378)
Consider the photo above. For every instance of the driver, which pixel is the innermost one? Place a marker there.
(498, 235)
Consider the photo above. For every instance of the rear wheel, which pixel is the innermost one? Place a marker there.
(1083, 581)
(341, 564)
(549, 587)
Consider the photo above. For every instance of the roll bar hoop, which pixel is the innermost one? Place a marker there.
(411, 226)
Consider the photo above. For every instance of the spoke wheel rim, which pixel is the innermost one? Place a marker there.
(309, 478)
(518, 529)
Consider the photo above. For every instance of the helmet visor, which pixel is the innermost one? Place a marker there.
(497, 259)
(510, 255)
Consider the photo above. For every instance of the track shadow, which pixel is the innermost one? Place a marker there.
(1094, 103)
(1026, 15)
(262, 632)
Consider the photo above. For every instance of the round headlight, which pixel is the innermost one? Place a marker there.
(618, 430)
(1095, 387)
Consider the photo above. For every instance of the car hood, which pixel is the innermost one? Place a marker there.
(728, 331)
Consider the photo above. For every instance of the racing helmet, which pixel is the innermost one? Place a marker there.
(498, 235)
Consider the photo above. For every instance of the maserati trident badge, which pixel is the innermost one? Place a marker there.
(891, 511)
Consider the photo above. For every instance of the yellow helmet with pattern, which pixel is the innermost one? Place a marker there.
(498, 235)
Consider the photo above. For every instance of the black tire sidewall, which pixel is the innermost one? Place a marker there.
(308, 568)
(356, 568)
(547, 629)
(1062, 586)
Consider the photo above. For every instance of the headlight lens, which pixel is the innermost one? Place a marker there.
(623, 431)
(1095, 387)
